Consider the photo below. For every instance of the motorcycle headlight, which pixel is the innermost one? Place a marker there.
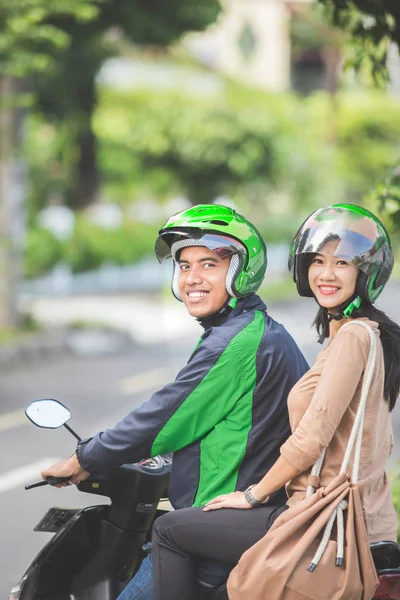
(16, 591)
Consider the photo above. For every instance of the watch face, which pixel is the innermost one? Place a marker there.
(249, 496)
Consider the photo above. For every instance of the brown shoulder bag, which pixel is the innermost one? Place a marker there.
(299, 558)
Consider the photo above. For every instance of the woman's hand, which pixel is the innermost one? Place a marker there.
(232, 500)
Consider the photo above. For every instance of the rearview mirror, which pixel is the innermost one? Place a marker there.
(48, 413)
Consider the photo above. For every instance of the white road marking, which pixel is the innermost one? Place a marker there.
(13, 419)
(26, 474)
(144, 381)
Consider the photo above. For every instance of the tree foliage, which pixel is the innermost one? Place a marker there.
(68, 93)
(208, 147)
(90, 247)
(60, 47)
(165, 144)
(29, 36)
(268, 153)
(371, 26)
(386, 197)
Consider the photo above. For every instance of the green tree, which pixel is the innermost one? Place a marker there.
(67, 94)
(386, 197)
(27, 44)
(372, 25)
(28, 35)
(243, 147)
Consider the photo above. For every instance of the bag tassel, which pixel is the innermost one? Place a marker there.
(336, 515)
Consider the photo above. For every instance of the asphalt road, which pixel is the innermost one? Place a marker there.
(99, 390)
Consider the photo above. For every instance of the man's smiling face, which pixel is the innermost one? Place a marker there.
(201, 281)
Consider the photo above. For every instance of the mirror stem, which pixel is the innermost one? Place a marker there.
(73, 432)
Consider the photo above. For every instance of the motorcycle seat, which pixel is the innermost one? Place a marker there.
(386, 556)
(212, 573)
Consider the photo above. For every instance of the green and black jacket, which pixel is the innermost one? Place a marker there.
(225, 415)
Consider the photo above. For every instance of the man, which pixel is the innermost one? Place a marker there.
(225, 415)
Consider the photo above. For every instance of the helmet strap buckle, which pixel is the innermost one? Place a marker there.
(233, 302)
(352, 306)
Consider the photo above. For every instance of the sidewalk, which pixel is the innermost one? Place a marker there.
(152, 318)
(148, 319)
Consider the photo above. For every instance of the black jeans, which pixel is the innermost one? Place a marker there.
(184, 535)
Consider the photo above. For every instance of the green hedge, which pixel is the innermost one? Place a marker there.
(202, 149)
(275, 155)
(396, 493)
(42, 251)
(89, 247)
(246, 144)
(243, 144)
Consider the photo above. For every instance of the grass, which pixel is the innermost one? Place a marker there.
(27, 328)
(395, 482)
(12, 335)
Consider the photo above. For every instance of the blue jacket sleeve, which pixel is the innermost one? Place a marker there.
(189, 406)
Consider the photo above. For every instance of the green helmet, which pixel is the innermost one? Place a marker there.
(357, 236)
(225, 232)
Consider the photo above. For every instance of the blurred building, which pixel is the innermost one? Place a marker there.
(394, 69)
(250, 42)
(272, 44)
(276, 45)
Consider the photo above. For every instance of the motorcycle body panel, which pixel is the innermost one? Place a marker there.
(97, 548)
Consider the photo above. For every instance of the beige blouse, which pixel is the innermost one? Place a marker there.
(322, 407)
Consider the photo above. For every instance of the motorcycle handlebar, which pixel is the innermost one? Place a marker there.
(49, 481)
(157, 462)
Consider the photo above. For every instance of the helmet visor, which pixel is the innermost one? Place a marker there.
(347, 235)
(170, 242)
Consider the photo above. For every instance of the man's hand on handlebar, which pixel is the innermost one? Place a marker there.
(66, 468)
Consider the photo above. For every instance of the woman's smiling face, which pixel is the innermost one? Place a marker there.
(332, 279)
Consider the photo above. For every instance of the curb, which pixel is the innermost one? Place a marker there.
(46, 345)
(35, 347)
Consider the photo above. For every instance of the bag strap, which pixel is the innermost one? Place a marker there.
(355, 439)
(357, 429)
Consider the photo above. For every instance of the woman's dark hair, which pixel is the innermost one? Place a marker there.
(390, 338)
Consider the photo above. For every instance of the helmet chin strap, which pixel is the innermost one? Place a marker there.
(343, 311)
(346, 309)
(219, 315)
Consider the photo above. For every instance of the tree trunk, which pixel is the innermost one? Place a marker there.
(87, 177)
(87, 182)
(332, 57)
(11, 205)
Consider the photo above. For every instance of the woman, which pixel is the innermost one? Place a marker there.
(342, 256)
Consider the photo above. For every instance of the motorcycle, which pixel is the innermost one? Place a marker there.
(96, 550)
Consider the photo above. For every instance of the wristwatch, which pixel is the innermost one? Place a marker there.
(250, 498)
